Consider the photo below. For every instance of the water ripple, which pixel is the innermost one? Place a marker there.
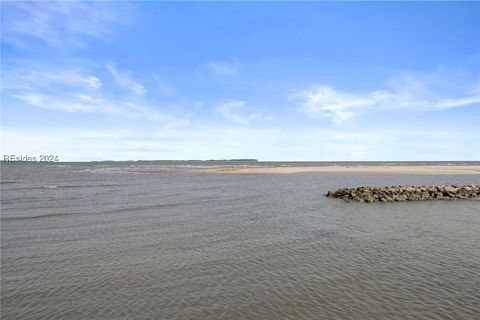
(197, 246)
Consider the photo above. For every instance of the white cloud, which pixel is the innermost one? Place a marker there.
(227, 110)
(78, 90)
(61, 22)
(231, 110)
(435, 91)
(69, 103)
(27, 78)
(321, 101)
(223, 68)
(74, 102)
(427, 92)
(124, 79)
(54, 103)
(460, 102)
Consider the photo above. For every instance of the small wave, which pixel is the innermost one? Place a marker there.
(148, 207)
(133, 169)
(82, 186)
(66, 186)
(112, 211)
(50, 215)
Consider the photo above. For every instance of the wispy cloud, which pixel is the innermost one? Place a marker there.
(446, 88)
(125, 80)
(28, 78)
(417, 92)
(324, 101)
(232, 110)
(223, 68)
(66, 103)
(79, 90)
(61, 23)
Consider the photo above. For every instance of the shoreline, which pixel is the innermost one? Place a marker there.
(437, 170)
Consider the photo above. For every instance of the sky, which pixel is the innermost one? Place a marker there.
(296, 81)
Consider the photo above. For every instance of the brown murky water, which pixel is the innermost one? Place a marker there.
(157, 241)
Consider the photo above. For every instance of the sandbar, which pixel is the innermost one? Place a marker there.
(413, 169)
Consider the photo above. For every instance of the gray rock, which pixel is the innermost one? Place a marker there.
(406, 193)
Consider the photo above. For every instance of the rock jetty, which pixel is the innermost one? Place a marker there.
(406, 193)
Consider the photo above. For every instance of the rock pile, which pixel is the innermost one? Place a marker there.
(406, 193)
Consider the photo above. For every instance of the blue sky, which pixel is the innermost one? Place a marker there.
(216, 80)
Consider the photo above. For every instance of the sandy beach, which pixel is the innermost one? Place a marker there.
(437, 170)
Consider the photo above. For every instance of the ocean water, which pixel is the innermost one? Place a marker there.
(158, 240)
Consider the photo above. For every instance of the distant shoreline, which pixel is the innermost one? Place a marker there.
(427, 169)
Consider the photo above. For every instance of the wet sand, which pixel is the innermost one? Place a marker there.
(440, 170)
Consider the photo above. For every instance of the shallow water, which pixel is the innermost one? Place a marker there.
(159, 241)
